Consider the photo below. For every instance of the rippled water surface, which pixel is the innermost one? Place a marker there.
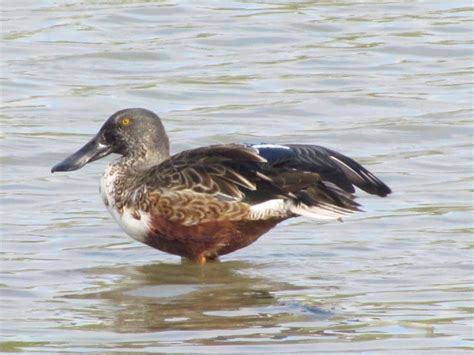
(386, 82)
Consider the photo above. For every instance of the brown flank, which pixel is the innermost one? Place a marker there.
(206, 241)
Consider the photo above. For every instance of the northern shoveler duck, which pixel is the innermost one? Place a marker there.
(210, 201)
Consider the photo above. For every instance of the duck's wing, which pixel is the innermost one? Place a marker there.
(234, 181)
(224, 171)
(333, 167)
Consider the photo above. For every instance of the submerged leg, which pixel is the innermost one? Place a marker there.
(201, 259)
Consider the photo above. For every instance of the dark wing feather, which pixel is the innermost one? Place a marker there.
(358, 175)
(310, 189)
(330, 165)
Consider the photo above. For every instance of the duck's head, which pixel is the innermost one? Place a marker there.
(133, 131)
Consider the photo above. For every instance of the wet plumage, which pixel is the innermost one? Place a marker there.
(210, 201)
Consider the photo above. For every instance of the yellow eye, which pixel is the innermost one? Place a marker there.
(125, 121)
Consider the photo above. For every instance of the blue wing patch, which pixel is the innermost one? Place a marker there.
(274, 153)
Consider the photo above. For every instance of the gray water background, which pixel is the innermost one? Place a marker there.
(386, 82)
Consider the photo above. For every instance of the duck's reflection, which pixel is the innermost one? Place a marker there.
(190, 297)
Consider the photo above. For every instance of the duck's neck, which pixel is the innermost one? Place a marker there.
(141, 158)
(123, 174)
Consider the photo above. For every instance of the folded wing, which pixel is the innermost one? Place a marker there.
(235, 181)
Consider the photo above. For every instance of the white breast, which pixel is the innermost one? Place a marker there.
(136, 223)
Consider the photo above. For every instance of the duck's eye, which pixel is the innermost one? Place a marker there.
(124, 122)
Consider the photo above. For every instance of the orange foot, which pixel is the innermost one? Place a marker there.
(202, 260)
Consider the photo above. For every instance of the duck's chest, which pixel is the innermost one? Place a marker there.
(110, 187)
(115, 195)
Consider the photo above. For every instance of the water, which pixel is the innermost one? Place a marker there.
(386, 82)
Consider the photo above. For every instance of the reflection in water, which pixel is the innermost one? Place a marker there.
(214, 296)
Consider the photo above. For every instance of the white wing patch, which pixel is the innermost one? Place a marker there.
(274, 146)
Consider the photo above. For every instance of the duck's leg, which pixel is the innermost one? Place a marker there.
(201, 259)
(205, 258)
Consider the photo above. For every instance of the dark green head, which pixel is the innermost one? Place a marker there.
(127, 132)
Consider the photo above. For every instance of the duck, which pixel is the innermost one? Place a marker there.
(210, 201)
